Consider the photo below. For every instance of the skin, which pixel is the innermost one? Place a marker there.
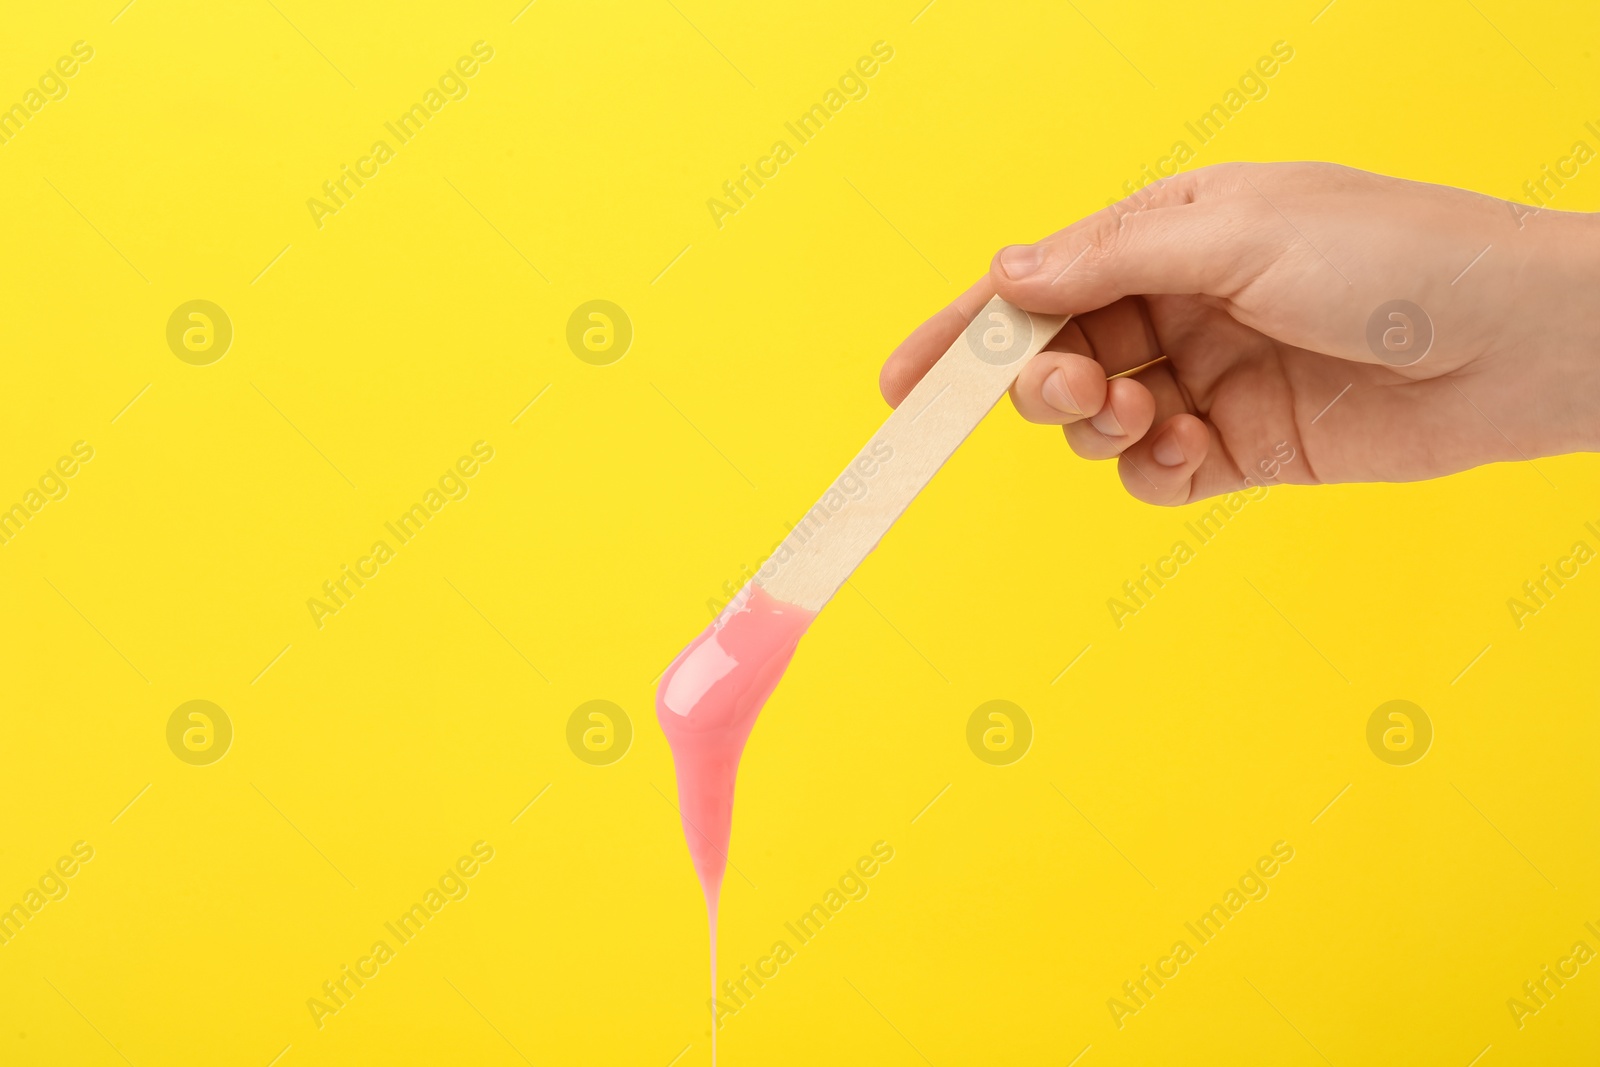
(1254, 285)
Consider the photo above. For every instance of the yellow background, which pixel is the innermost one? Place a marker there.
(370, 754)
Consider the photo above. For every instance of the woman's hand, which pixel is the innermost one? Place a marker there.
(1314, 324)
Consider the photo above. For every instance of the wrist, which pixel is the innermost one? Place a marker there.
(1557, 347)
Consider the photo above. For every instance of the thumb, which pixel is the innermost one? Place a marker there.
(1193, 248)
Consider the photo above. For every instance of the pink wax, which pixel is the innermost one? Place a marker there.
(707, 702)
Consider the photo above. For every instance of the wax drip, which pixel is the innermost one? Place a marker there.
(707, 704)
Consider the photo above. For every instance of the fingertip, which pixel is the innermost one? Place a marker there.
(1184, 439)
(1016, 262)
(1166, 449)
(905, 367)
(912, 358)
(1019, 276)
(889, 383)
(1160, 468)
(1121, 422)
(1129, 409)
(1015, 290)
(1057, 392)
(1059, 387)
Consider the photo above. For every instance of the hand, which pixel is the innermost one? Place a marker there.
(1256, 286)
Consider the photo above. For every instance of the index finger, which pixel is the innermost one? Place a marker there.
(910, 361)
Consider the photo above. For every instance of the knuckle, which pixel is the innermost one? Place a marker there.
(1087, 247)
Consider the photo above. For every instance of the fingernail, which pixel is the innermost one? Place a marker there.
(1019, 261)
(1057, 395)
(1167, 451)
(1106, 422)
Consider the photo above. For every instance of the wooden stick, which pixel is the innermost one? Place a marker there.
(832, 539)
